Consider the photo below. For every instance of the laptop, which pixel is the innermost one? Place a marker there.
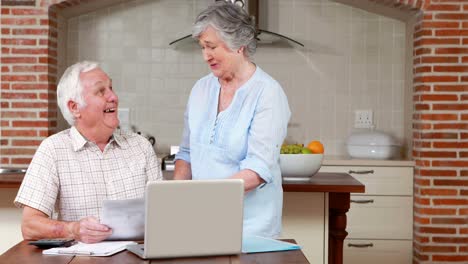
(192, 218)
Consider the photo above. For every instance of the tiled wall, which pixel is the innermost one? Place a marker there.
(352, 60)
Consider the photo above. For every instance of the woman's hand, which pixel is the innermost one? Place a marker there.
(251, 179)
(182, 170)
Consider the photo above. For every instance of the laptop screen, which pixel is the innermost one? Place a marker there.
(193, 218)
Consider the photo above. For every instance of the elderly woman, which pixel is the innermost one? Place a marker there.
(236, 118)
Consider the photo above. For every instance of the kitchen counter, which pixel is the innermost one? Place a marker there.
(13, 180)
(321, 182)
(347, 161)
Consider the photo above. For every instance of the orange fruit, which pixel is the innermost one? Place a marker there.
(316, 147)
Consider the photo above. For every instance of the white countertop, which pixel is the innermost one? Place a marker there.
(347, 161)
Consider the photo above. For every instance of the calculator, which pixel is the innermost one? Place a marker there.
(53, 242)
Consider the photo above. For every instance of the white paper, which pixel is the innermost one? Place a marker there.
(96, 250)
(125, 217)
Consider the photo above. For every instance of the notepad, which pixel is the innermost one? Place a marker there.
(257, 244)
(101, 249)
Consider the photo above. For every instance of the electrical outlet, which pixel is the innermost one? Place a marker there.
(363, 119)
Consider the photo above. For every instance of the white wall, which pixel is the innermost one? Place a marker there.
(352, 60)
(10, 219)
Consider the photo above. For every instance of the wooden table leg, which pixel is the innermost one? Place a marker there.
(339, 204)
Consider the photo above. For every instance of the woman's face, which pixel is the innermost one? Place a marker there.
(222, 61)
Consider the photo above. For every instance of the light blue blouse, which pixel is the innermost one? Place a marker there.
(247, 135)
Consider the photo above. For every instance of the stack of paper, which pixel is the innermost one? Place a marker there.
(101, 249)
(255, 244)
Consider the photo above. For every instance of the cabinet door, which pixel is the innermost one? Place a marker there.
(377, 251)
(381, 217)
(305, 218)
(379, 180)
(10, 219)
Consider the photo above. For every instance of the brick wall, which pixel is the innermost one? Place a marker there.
(440, 120)
(28, 77)
(440, 126)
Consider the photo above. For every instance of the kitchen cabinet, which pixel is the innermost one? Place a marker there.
(380, 221)
(304, 219)
(10, 219)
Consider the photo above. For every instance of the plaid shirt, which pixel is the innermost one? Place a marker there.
(72, 176)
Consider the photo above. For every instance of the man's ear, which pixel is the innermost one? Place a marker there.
(74, 109)
(241, 50)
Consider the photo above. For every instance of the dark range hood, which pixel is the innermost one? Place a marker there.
(253, 9)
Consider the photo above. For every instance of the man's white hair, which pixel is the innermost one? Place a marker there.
(71, 89)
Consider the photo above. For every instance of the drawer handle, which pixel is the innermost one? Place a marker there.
(362, 201)
(12, 171)
(361, 245)
(362, 172)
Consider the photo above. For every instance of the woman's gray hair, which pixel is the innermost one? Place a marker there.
(71, 89)
(233, 24)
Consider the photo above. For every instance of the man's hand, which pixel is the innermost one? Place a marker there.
(89, 230)
(37, 225)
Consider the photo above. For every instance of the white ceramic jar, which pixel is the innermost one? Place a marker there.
(372, 144)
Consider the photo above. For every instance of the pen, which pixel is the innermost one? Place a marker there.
(65, 252)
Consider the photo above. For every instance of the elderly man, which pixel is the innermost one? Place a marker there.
(74, 170)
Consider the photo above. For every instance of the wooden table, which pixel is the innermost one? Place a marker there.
(337, 185)
(22, 253)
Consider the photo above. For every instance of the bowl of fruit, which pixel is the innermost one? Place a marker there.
(299, 162)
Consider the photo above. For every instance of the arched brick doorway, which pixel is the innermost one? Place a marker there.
(30, 62)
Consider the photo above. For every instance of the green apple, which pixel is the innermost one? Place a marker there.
(306, 151)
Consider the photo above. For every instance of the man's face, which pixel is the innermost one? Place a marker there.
(99, 116)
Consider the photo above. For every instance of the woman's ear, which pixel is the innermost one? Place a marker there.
(74, 109)
(241, 50)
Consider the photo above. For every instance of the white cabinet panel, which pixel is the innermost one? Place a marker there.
(381, 251)
(305, 219)
(379, 180)
(384, 217)
(10, 219)
(379, 221)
